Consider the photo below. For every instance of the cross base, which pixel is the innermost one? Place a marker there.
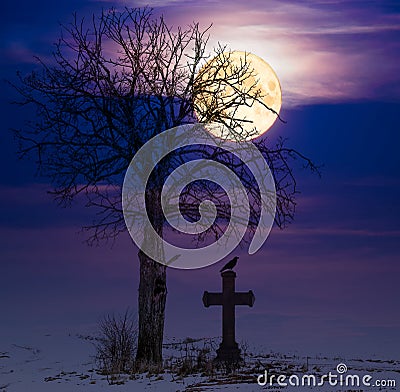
(228, 354)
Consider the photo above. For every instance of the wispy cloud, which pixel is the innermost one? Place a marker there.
(341, 231)
(19, 51)
(320, 51)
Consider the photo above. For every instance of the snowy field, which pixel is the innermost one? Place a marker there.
(66, 364)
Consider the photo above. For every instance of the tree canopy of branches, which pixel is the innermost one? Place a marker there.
(114, 82)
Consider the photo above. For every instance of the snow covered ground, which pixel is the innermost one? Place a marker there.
(65, 363)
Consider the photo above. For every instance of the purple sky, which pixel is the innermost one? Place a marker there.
(329, 282)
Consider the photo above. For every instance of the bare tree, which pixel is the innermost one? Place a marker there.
(114, 83)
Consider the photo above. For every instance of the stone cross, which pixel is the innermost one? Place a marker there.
(228, 349)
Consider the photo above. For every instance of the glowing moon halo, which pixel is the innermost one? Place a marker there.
(258, 118)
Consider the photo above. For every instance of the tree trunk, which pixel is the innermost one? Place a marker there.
(152, 296)
(152, 299)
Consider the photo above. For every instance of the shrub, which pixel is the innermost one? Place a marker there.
(116, 344)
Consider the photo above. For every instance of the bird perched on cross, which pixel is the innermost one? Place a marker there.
(230, 264)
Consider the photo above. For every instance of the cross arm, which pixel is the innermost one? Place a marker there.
(245, 298)
(210, 299)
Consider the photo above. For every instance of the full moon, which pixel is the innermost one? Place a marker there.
(254, 118)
